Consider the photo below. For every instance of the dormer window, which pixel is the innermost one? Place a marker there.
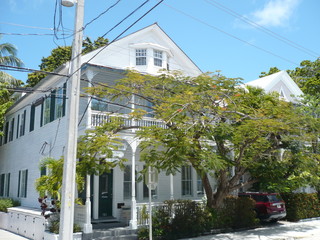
(157, 58)
(141, 56)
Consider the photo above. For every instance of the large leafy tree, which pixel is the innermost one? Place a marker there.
(220, 129)
(61, 55)
(307, 76)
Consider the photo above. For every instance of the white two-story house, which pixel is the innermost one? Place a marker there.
(35, 126)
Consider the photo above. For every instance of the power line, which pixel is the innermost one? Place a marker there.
(23, 69)
(34, 34)
(262, 28)
(231, 35)
(125, 18)
(104, 12)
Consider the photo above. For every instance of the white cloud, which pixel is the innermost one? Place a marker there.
(275, 13)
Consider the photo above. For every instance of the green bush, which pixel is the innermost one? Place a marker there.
(236, 213)
(186, 218)
(54, 223)
(178, 219)
(6, 203)
(301, 205)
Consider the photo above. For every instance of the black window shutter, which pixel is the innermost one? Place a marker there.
(24, 121)
(6, 132)
(52, 105)
(25, 186)
(41, 115)
(64, 99)
(19, 183)
(18, 125)
(8, 186)
(32, 112)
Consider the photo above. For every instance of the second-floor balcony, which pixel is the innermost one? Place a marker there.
(98, 118)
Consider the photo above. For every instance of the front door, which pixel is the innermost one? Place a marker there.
(105, 194)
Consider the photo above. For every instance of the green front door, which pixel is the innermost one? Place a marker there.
(105, 195)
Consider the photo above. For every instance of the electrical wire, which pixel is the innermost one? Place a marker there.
(101, 14)
(35, 34)
(116, 25)
(262, 28)
(231, 35)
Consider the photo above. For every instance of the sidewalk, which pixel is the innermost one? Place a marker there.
(303, 230)
(6, 235)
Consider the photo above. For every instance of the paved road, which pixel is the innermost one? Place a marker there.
(303, 230)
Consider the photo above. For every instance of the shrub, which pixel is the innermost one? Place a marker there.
(54, 222)
(235, 213)
(6, 203)
(301, 205)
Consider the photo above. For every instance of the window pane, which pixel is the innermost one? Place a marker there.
(127, 182)
(157, 56)
(141, 56)
(186, 181)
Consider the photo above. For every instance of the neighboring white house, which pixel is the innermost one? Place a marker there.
(279, 82)
(35, 126)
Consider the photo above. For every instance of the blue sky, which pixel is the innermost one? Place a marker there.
(215, 34)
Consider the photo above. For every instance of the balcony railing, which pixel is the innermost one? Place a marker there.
(98, 118)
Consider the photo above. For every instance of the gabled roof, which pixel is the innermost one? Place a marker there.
(152, 36)
(279, 82)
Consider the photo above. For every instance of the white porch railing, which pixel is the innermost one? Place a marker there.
(98, 118)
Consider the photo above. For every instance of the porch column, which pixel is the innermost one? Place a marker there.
(95, 197)
(133, 220)
(171, 187)
(87, 227)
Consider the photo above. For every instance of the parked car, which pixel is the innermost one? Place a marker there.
(269, 206)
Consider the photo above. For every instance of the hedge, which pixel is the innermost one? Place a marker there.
(301, 205)
(6, 203)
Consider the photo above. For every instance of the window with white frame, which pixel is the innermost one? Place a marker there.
(99, 105)
(23, 183)
(127, 182)
(186, 181)
(11, 130)
(4, 184)
(200, 190)
(58, 111)
(157, 58)
(23, 123)
(141, 56)
(46, 110)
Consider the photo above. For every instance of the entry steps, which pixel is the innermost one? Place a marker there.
(120, 233)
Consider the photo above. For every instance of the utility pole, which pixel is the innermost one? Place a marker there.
(69, 167)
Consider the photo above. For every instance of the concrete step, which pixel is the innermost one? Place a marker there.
(114, 234)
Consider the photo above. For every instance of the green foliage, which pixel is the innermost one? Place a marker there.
(186, 218)
(51, 183)
(54, 223)
(189, 219)
(272, 70)
(59, 56)
(95, 149)
(211, 124)
(301, 205)
(6, 203)
(307, 76)
(236, 213)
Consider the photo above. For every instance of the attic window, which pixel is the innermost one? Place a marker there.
(157, 57)
(141, 56)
